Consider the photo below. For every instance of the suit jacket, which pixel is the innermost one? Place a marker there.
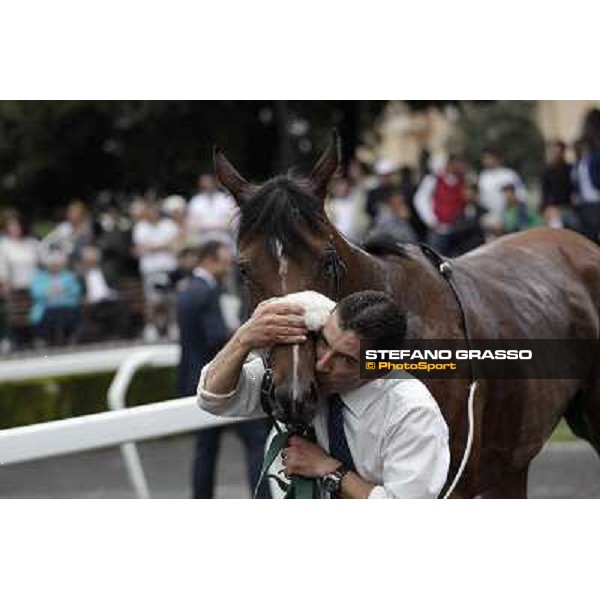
(202, 330)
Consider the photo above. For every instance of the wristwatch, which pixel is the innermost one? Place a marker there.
(332, 482)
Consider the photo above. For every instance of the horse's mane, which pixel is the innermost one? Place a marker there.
(384, 245)
(283, 210)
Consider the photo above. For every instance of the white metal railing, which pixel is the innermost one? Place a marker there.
(82, 362)
(21, 444)
(116, 395)
(120, 426)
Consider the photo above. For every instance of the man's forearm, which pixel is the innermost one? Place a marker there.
(355, 487)
(224, 372)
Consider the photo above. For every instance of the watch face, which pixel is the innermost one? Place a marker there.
(331, 482)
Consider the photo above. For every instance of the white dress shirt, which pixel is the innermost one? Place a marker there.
(395, 430)
(160, 233)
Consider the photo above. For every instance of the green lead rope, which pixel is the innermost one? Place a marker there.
(299, 488)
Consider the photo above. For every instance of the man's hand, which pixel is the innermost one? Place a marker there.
(304, 458)
(272, 324)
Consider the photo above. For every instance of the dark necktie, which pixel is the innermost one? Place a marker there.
(338, 444)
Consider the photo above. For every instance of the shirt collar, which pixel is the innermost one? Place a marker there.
(204, 274)
(358, 400)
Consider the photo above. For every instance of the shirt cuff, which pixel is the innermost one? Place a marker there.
(207, 398)
(378, 493)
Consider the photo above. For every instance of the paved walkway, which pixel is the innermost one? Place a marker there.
(568, 470)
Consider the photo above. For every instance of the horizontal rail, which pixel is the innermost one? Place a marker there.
(31, 442)
(85, 361)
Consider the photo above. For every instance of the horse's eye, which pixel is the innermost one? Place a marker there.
(244, 272)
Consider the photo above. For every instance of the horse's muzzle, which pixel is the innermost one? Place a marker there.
(295, 410)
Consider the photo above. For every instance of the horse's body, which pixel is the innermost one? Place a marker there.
(539, 284)
(536, 285)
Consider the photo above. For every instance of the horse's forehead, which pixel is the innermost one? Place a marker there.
(255, 250)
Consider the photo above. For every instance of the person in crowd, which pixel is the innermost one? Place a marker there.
(72, 234)
(393, 221)
(518, 216)
(383, 438)
(359, 187)
(104, 315)
(154, 237)
(385, 170)
(203, 333)
(19, 258)
(19, 253)
(557, 188)
(211, 213)
(440, 201)
(56, 300)
(408, 190)
(467, 231)
(587, 178)
(343, 210)
(113, 237)
(492, 179)
(175, 207)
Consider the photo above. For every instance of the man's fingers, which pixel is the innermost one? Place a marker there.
(283, 308)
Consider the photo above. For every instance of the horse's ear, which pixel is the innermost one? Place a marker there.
(230, 179)
(326, 166)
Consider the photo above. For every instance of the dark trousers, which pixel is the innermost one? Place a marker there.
(589, 220)
(59, 325)
(253, 435)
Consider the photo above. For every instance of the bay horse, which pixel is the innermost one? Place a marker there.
(538, 284)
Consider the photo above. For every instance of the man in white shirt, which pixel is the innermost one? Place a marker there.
(154, 238)
(492, 180)
(211, 213)
(386, 438)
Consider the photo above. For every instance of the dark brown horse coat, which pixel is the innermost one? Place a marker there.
(538, 284)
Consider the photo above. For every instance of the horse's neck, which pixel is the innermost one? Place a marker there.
(411, 280)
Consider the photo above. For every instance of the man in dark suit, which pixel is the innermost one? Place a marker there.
(203, 332)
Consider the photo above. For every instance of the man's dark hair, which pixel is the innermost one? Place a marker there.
(209, 249)
(373, 316)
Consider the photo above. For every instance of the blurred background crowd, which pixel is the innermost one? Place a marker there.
(111, 265)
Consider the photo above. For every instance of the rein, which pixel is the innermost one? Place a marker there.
(445, 269)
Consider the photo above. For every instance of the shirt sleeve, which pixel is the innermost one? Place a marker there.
(416, 456)
(243, 401)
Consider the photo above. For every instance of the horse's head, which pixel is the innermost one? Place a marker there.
(286, 245)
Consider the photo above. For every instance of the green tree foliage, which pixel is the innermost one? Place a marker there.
(508, 127)
(52, 151)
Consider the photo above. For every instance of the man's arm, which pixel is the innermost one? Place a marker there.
(307, 459)
(270, 324)
(415, 454)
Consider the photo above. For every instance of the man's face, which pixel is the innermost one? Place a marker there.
(338, 355)
(221, 264)
(490, 160)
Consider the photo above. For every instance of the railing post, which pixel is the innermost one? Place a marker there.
(117, 392)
